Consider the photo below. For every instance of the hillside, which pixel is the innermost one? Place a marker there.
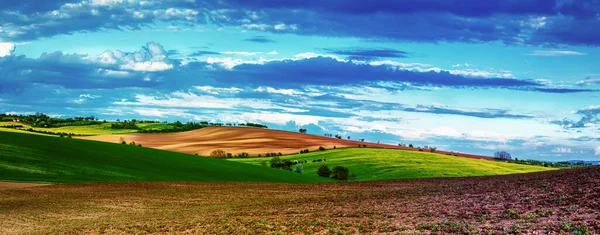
(36, 158)
(383, 164)
(240, 139)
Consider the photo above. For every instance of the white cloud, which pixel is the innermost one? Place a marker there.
(85, 97)
(555, 53)
(278, 91)
(273, 53)
(229, 62)
(218, 90)
(241, 53)
(562, 150)
(147, 66)
(6, 48)
(153, 57)
(597, 151)
(588, 82)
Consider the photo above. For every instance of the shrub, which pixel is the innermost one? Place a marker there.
(334, 147)
(420, 150)
(359, 145)
(340, 173)
(287, 165)
(219, 153)
(321, 148)
(276, 162)
(324, 171)
(364, 145)
(229, 155)
(410, 145)
(279, 154)
(299, 168)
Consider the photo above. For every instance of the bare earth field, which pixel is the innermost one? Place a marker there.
(240, 139)
(12, 185)
(562, 202)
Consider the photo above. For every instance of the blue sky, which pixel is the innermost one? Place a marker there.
(469, 76)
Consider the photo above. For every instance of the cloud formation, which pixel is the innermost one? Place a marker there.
(532, 22)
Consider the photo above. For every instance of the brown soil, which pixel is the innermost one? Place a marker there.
(555, 202)
(235, 140)
(12, 185)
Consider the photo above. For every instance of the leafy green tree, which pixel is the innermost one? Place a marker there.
(324, 171)
(340, 173)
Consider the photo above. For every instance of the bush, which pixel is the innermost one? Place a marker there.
(324, 171)
(276, 162)
(219, 153)
(410, 145)
(420, 150)
(334, 147)
(364, 145)
(229, 155)
(299, 168)
(279, 154)
(321, 148)
(340, 173)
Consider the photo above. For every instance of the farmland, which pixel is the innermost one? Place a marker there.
(253, 141)
(35, 158)
(382, 164)
(559, 201)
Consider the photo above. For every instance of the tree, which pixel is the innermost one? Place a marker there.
(276, 162)
(502, 155)
(299, 168)
(302, 131)
(410, 145)
(324, 171)
(219, 153)
(340, 173)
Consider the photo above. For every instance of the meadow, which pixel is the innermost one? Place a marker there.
(383, 164)
(35, 158)
(87, 130)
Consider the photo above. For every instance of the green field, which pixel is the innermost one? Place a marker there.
(383, 164)
(26, 157)
(100, 129)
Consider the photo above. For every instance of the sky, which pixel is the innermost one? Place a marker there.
(462, 75)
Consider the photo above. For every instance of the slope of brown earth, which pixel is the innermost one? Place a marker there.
(240, 139)
(556, 202)
(12, 185)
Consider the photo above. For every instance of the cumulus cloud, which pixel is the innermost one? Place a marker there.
(151, 58)
(597, 151)
(6, 48)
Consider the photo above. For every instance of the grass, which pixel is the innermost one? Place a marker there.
(35, 158)
(384, 164)
(100, 129)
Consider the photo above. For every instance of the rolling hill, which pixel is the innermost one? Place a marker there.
(242, 139)
(385, 164)
(36, 158)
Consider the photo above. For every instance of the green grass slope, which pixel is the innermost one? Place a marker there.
(383, 164)
(25, 157)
